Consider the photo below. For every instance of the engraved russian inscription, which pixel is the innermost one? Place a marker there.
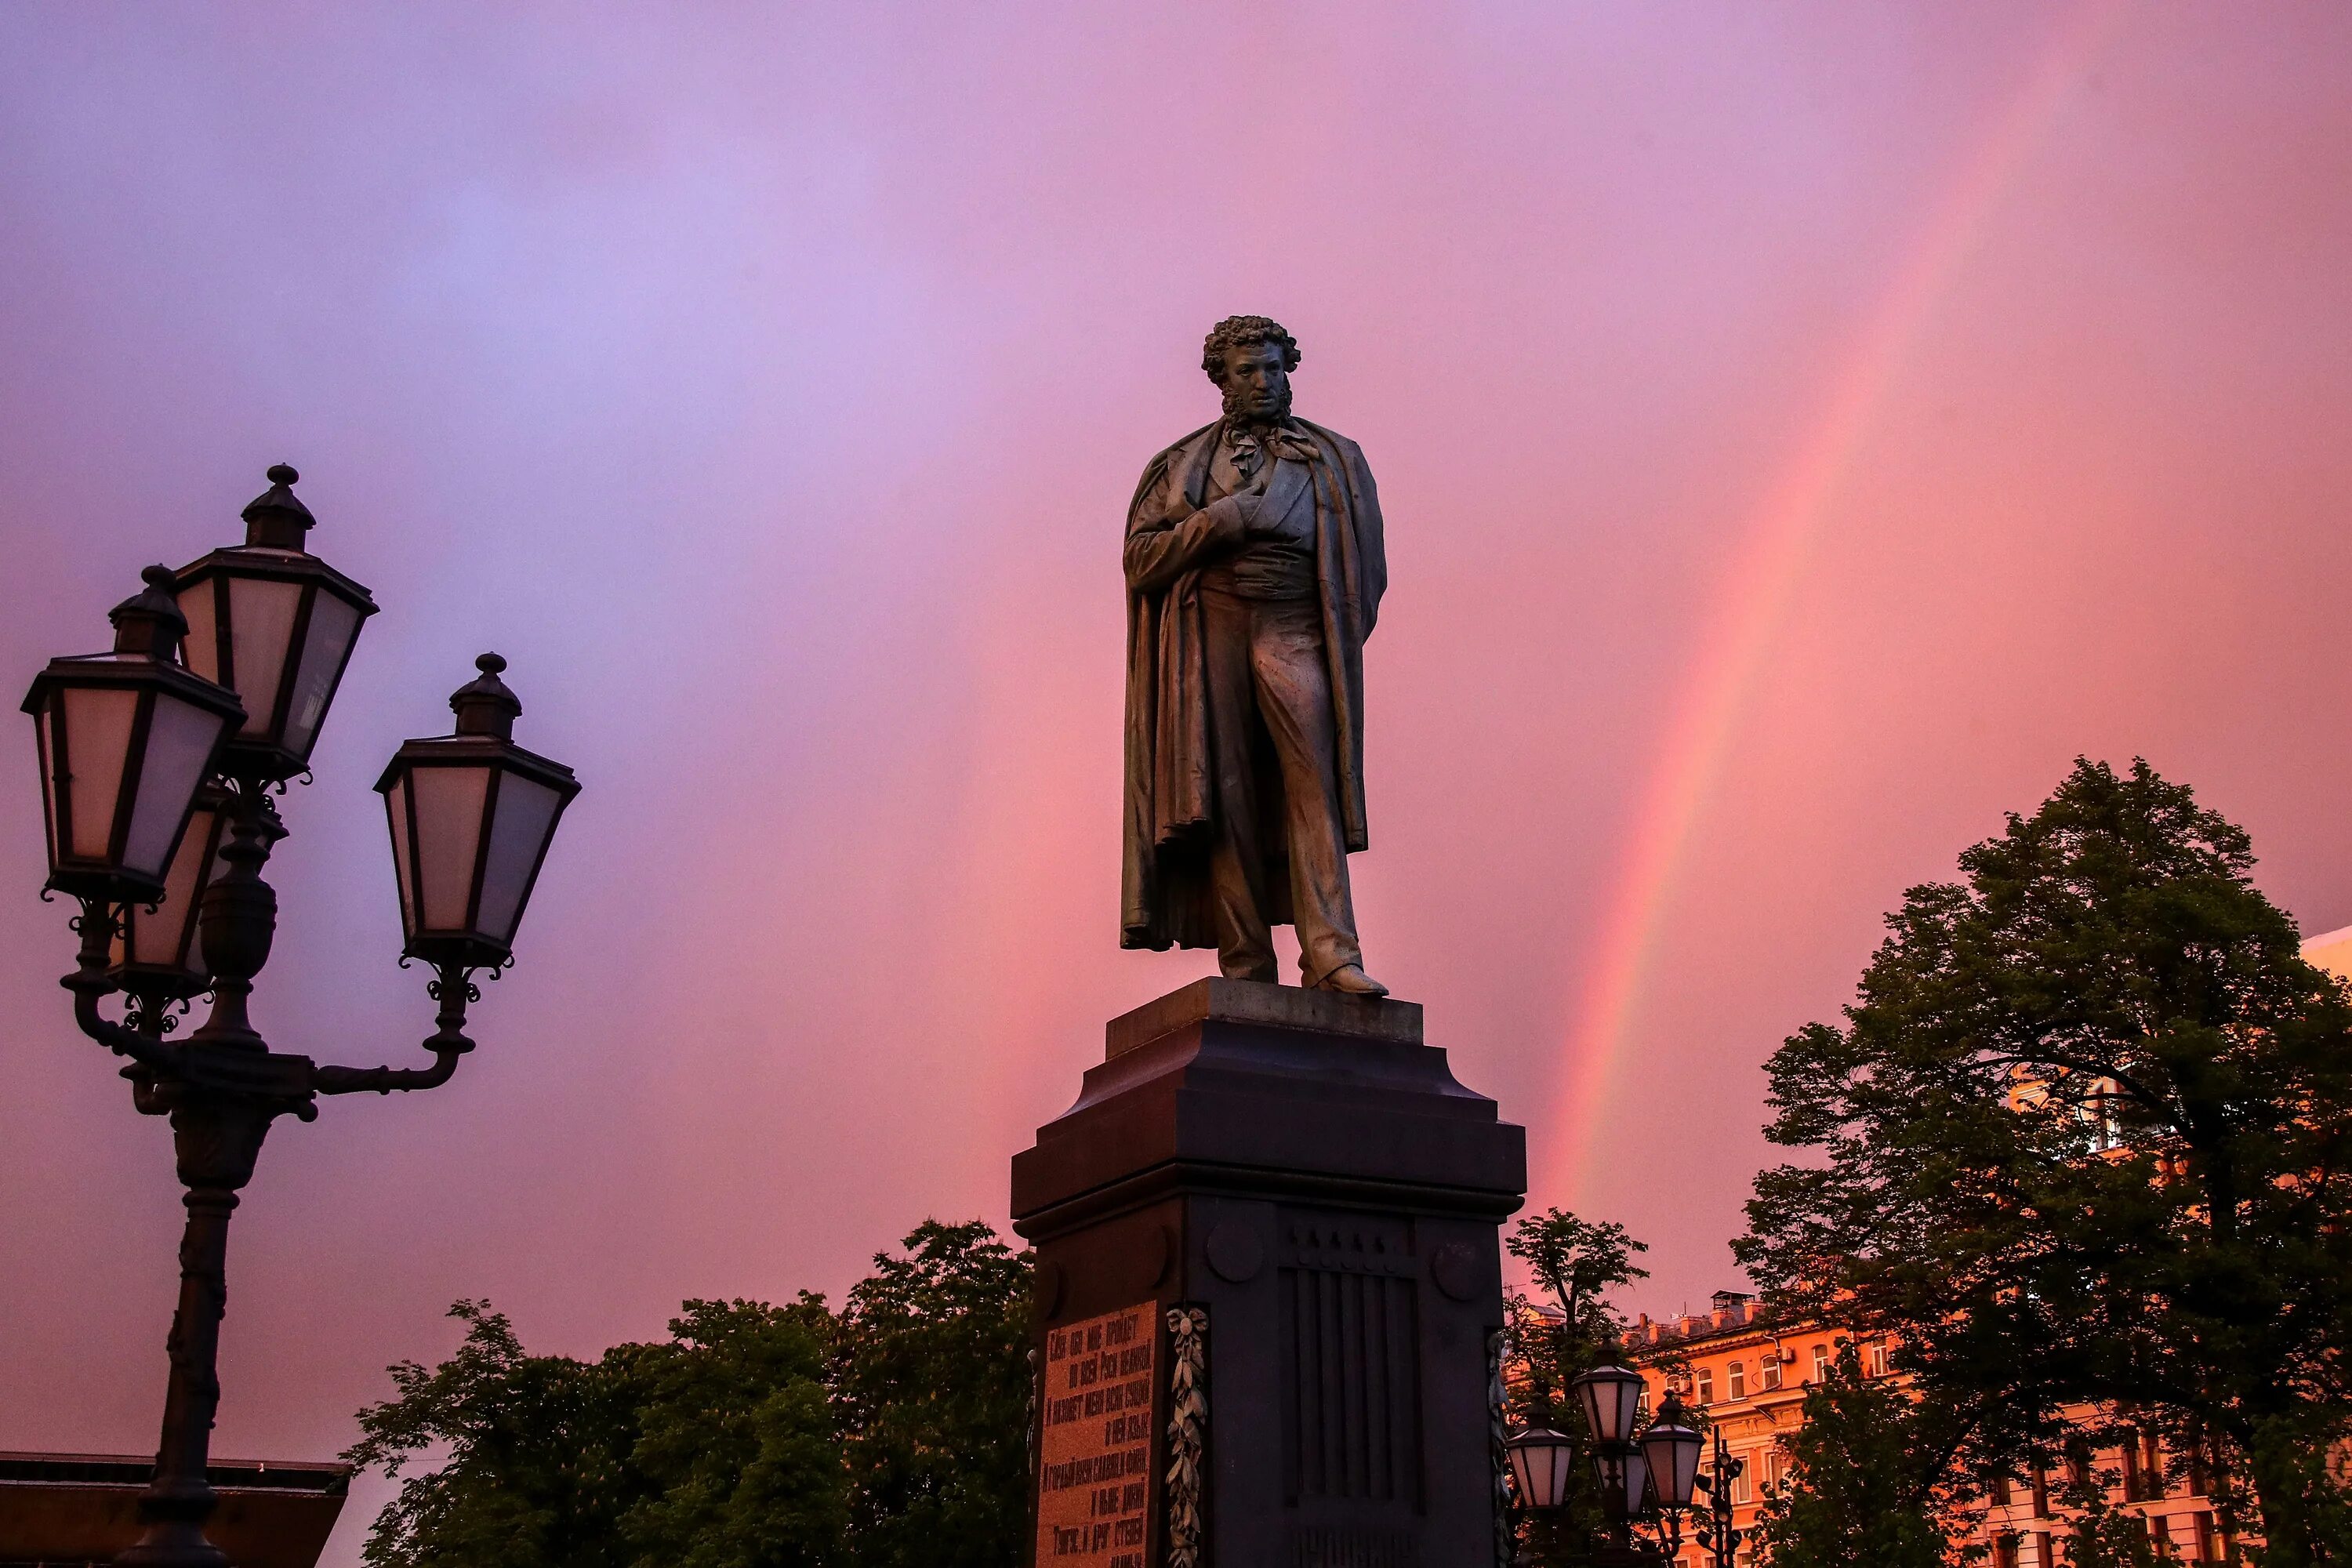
(1096, 1456)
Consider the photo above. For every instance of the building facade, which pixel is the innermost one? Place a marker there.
(1749, 1373)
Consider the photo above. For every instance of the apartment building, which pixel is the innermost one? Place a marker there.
(1749, 1372)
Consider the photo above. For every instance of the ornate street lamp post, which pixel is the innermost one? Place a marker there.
(1644, 1472)
(1612, 1396)
(157, 770)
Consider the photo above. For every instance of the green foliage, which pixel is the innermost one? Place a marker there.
(932, 1387)
(2083, 1140)
(2102, 1535)
(736, 1441)
(755, 1436)
(1574, 1262)
(538, 1450)
(1866, 1484)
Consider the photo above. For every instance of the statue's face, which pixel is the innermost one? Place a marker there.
(1256, 386)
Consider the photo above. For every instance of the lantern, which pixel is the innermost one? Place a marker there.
(1671, 1451)
(472, 815)
(1539, 1461)
(276, 625)
(1611, 1398)
(1624, 1478)
(125, 739)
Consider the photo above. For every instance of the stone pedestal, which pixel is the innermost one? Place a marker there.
(1299, 1202)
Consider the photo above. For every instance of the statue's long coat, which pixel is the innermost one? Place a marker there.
(1164, 897)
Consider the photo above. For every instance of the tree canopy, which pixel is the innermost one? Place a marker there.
(888, 1435)
(1574, 1263)
(2083, 1138)
(1867, 1482)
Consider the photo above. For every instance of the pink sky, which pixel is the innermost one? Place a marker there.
(1802, 430)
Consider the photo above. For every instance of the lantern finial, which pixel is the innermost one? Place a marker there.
(276, 519)
(150, 622)
(485, 705)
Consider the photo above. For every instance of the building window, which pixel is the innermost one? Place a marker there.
(2004, 1551)
(1742, 1490)
(2041, 1492)
(1737, 1375)
(2100, 1116)
(1821, 1364)
(2000, 1491)
(1768, 1372)
(1705, 1382)
(1873, 1359)
(2206, 1543)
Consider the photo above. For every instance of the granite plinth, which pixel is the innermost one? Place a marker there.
(1302, 1168)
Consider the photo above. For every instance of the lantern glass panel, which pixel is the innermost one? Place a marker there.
(98, 724)
(1530, 1471)
(48, 780)
(335, 624)
(404, 869)
(262, 612)
(200, 649)
(448, 838)
(180, 740)
(160, 938)
(1673, 1452)
(519, 829)
(1637, 1482)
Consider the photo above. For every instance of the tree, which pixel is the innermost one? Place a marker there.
(931, 1390)
(537, 1474)
(2102, 1535)
(755, 1436)
(1574, 1262)
(2082, 1140)
(736, 1445)
(1867, 1482)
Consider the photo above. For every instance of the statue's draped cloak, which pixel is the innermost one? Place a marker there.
(1164, 897)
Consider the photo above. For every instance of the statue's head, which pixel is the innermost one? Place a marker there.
(1250, 358)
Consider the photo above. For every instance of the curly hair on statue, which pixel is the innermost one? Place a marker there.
(1240, 331)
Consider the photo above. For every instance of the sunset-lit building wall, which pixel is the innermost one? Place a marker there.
(1749, 1372)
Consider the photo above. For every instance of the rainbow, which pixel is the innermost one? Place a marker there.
(1776, 548)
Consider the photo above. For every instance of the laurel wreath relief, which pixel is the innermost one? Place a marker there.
(1188, 1433)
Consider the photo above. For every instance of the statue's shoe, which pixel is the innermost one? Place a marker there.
(1350, 980)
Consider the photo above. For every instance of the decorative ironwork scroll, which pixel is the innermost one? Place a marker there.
(1187, 1433)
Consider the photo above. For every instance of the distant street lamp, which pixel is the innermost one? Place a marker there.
(1611, 1398)
(157, 768)
(1541, 1461)
(1644, 1473)
(1670, 1451)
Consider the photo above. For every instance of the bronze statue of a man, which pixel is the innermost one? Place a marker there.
(1254, 572)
